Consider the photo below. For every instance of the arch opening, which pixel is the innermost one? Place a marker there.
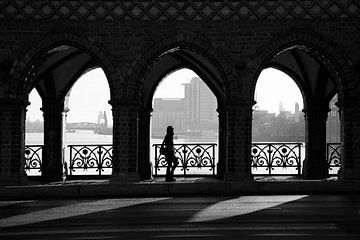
(318, 77)
(183, 100)
(181, 55)
(55, 71)
(34, 135)
(333, 155)
(278, 126)
(88, 121)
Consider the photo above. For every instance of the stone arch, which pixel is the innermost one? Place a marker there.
(151, 57)
(338, 67)
(20, 84)
(327, 52)
(151, 53)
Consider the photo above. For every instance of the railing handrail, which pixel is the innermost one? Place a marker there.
(279, 143)
(180, 144)
(88, 145)
(332, 147)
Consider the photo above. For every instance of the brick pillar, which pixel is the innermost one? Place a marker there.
(144, 144)
(12, 142)
(315, 164)
(125, 125)
(221, 166)
(238, 149)
(52, 168)
(350, 141)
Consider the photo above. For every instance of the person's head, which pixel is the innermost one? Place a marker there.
(170, 130)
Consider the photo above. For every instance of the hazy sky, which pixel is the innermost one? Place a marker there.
(90, 94)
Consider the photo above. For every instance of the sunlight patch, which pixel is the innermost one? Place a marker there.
(73, 210)
(241, 206)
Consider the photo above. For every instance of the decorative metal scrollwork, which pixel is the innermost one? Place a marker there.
(86, 157)
(196, 159)
(333, 157)
(276, 159)
(33, 160)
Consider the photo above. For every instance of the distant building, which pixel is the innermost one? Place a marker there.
(286, 126)
(200, 106)
(195, 113)
(167, 112)
(333, 122)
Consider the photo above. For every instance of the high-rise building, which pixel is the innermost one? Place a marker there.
(200, 105)
(333, 122)
(167, 112)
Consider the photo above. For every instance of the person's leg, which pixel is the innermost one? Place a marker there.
(169, 175)
(175, 163)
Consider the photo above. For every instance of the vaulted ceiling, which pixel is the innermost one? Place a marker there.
(59, 68)
(175, 59)
(310, 75)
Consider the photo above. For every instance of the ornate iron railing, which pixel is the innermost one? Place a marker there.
(90, 159)
(194, 159)
(33, 159)
(267, 159)
(333, 157)
(276, 158)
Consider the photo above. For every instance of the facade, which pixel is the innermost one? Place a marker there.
(283, 127)
(195, 113)
(200, 107)
(167, 112)
(333, 122)
(49, 44)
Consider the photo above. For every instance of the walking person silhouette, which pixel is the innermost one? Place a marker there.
(167, 148)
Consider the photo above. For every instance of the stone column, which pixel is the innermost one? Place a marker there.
(12, 142)
(315, 164)
(350, 141)
(125, 141)
(52, 168)
(221, 166)
(238, 149)
(144, 159)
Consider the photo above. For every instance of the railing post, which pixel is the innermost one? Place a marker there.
(213, 159)
(185, 160)
(156, 159)
(270, 160)
(70, 161)
(299, 159)
(100, 161)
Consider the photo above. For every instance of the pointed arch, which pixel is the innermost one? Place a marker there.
(321, 49)
(191, 51)
(22, 82)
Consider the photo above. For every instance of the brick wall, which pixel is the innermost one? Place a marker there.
(125, 39)
(12, 130)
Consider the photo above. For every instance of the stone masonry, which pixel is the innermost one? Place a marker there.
(49, 44)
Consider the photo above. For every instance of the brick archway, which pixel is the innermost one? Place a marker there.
(150, 54)
(20, 85)
(325, 51)
(332, 60)
(139, 74)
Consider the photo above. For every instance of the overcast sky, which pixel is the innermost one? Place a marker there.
(90, 94)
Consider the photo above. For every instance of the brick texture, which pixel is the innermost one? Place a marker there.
(235, 40)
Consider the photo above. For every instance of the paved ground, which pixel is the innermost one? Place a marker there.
(252, 217)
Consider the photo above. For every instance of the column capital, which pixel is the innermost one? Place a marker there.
(53, 106)
(124, 103)
(317, 110)
(239, 103)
